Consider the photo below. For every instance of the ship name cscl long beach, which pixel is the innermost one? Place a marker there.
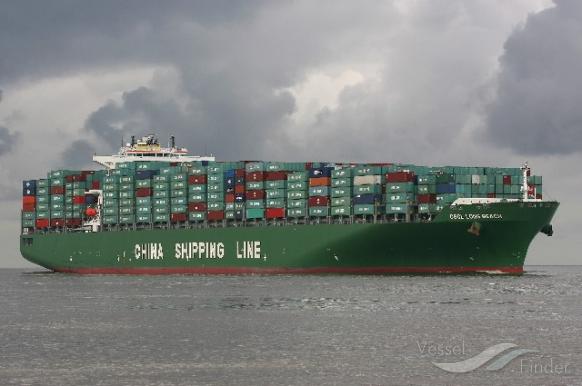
(156, 210)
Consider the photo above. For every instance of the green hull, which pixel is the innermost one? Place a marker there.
(463, 238)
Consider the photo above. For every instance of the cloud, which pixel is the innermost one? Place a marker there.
(7, 140)
(536, 109)
(78, 154)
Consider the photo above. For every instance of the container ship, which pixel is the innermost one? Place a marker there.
(157, 210)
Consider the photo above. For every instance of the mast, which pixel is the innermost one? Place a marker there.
(524, 187)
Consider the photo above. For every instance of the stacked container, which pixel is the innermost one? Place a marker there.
(144, 192)
(319, 191)
(178, 196)
(341, 192)
(297, 192)
(367, 190)
(127, 200)
(275, 191)
(215, 192)
(401, 191)
(255, 191)
(197, 193)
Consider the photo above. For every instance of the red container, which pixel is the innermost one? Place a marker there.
(42, 223)
(318, 201)
(143, 192)
(178, 217)
(28, 207)
(197, 180)
(239, 188)
(69, 178)
(275, 176)
(78, 200)
(427, 198)
(400, 177)
(320, 181)
(490, 195)
(255, 194)
(73, 222)
(95, 184)
(275, 213)
(57, 222)
(531, 190)
(28, 200)
(214, 215)
(229, 197)
(308, 165)
(254, 176)
(197, 207)
(239, 173)
(506, 180)
(57, 190)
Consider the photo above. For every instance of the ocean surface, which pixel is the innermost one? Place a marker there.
(58, 329)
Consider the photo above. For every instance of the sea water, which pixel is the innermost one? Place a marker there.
(60, 329)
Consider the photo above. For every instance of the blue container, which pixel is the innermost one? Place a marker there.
(145, 174)
(320, 172)
(368, 198)
(90, 199)
(229, 181)
(29, 188)
(446, 188)
(229, 174)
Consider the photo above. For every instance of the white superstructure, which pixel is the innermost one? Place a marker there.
(148, 149)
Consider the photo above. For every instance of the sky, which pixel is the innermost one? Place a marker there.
(433, 82)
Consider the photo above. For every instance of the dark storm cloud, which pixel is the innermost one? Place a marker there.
(7, 140)
(539, 88)
(78, 154)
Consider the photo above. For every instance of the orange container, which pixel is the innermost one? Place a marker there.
(28, 200)
(320, 181)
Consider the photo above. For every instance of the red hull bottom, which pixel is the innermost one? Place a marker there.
(288, 271)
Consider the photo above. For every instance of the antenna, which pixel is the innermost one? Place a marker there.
(132, 140)
(172, 142)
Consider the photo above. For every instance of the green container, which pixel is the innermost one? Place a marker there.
(57, 182)
(78, 192)
(365, 189)
(296, 212)
(297, 185)
(397, 209)
(216, 205)
(279, 184)
(57, 198)
(217, 168)
(197, 170)
(343, 210)
(161, 217)
(57, 206)
(143, 201)
(197, 198)
(161, 178)
(181, 208)
(127, 210)
(109, 202)
(110, 187)
(229, 206)
(341, 201)
(255, 213)
(213, 197)
(42, 183)
(427, 208)
(274, 166)
(143, 184)
(110, 220)
(43, 214)
(42, 191)
(42, 207)
(126, 179)
(239, 206)
(126, 194)
(255, 185)
(215, 188)
(179, 201)
(143, 209)
(215, 178)
(275, 203)
(255, 204)
(161, 186)
(161, 193)
(427, 179)
(275, 193)
(319, 191)
(28, 223)
(426, 189)
(179, 193)
(296, 194)
(110, 211)
(254, 167)
(297, 176)
(28, 215)
(319, 211)
(341, 192)
(196, 216)
(341, 173)
(196, 188)
(341, 182)
(175, 185)
(367, 170)
(363, 209)
(42, 199)
(126, 218)
(143, 218)
(404, 187)
(127, 202)
(161, 209)
(445, 178)
(296, 204)
(110, 194)
(111, 180)
(179, 177)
